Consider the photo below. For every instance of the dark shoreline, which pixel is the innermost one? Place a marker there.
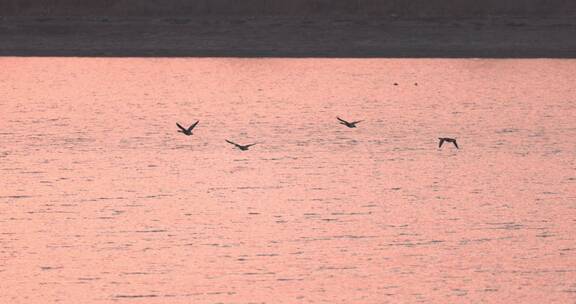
(292, 37)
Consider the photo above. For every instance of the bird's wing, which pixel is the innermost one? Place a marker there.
(441, 142)
(250, 145)
(456, 144)
(194, 125)
(181, 127)
(355, 122)
(341, 120)
(237, 145)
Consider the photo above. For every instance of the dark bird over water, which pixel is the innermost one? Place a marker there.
(446, 139)
(241, 147)
(348, 124)
(187, 131)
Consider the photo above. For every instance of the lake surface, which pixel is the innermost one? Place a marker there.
(102, 200)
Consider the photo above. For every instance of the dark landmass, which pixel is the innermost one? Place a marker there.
(188, 8)
(274, 36)
(289, 28)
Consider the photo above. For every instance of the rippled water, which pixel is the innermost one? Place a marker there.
(101, 200)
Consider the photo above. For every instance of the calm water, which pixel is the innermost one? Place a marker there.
(101, 200)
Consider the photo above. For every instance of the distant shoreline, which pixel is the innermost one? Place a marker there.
(298, 37)
(315, 8)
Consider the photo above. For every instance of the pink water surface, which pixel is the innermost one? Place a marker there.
(102, 201)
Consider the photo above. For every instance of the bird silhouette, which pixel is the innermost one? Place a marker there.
(348, 124)
(188, 131)
(446, 139)
(241, 147)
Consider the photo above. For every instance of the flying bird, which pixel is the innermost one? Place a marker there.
(188, 131)
(446, 139)
(241, 147)
(348, 124)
